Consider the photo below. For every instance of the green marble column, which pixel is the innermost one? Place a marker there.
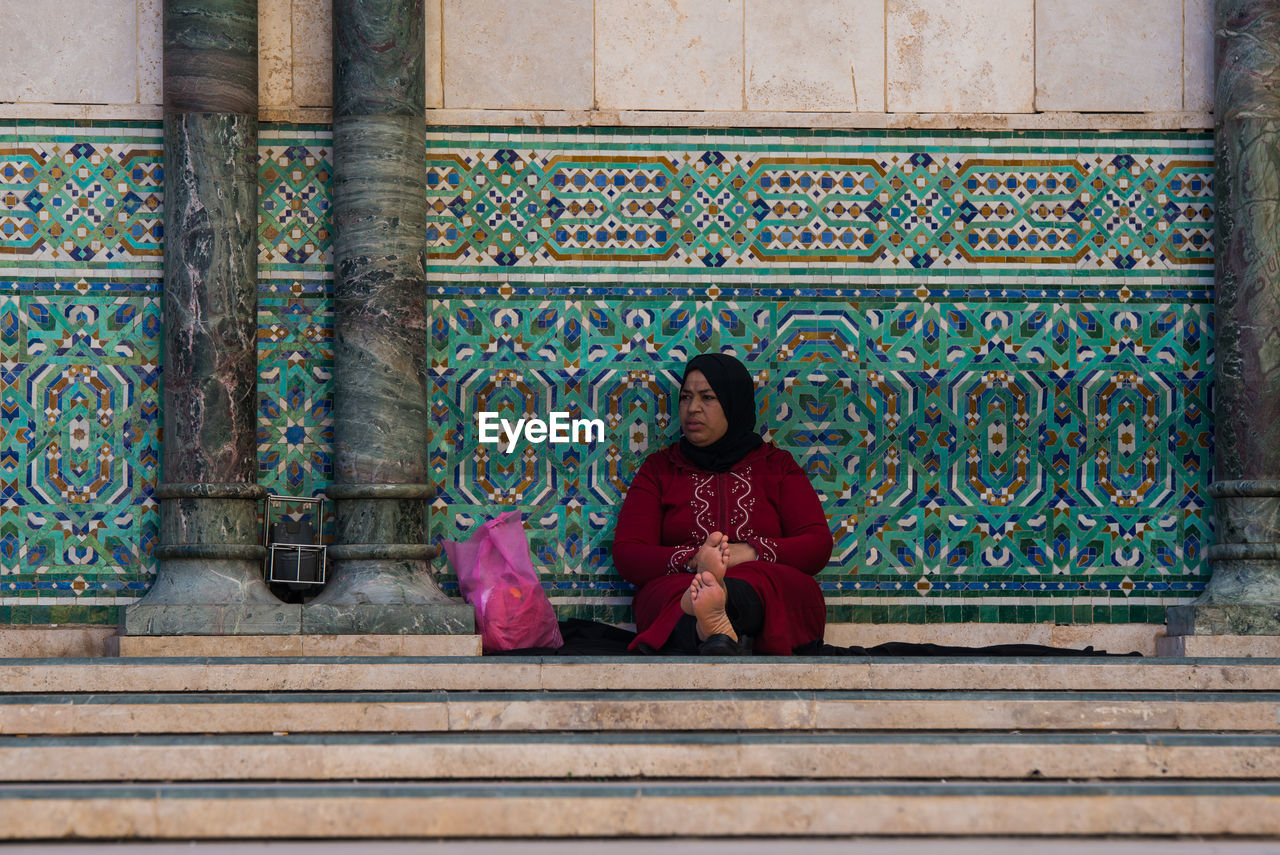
(379, 579)
(1243, 594)
(210, 558)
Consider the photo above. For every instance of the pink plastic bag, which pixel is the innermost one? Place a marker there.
(497, 577)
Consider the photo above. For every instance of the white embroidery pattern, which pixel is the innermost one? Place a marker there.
(679, 562)
(704, 517)
(739, 484)
(738, 502)
(766, 552)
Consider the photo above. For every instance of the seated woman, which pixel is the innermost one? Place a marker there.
(721, 532)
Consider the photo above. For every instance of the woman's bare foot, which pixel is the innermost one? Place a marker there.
(711, 558)
(709, 597)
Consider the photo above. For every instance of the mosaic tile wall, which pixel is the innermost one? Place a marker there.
(991, 352)
(81, 237)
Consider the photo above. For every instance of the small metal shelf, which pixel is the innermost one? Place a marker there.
(295, 556)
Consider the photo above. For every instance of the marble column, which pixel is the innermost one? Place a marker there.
(1243, 594)
(210, 558)
(379, 579)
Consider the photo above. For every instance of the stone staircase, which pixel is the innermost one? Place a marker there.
(421, 747)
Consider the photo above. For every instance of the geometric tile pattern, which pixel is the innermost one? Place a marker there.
(80, 435)
(295, 232)
(295, 314)
(983, 452)
(971, 204)
(89, 198)
(295, 394)
(992, 353)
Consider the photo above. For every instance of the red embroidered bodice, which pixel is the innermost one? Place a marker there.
(765, 500)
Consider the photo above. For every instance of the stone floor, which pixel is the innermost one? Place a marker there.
(791, 846)
(557, 747)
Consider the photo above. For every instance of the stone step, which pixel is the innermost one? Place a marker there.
(360, 674)
(666, 809)
(796, 710)
(672, 755)
(51, 640)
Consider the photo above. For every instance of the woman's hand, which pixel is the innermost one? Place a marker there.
(740, 553)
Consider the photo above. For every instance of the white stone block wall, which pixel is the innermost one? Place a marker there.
(1108, 55)
(960, 56)
(514, 54)
(814, 55)
(822, 63)
(77, 57)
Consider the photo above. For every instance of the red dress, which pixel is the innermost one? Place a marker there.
(765, 500)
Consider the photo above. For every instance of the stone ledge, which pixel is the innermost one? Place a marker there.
(395, 619)
(142, 619)
(834, 121)
(614, 809)
(635, 674)
(1219, 646)
(496, 710)
(1053, 121)
(204, 646)
(654, 755)
(55, 642)
(1224, 619)
(282, 619)
(84, 640)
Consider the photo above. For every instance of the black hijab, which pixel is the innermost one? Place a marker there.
(731, 381)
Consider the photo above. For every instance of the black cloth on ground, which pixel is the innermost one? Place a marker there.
(589, 638)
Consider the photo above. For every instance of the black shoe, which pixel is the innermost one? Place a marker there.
(722, 645)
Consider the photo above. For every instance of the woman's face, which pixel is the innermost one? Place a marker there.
(701, 416)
